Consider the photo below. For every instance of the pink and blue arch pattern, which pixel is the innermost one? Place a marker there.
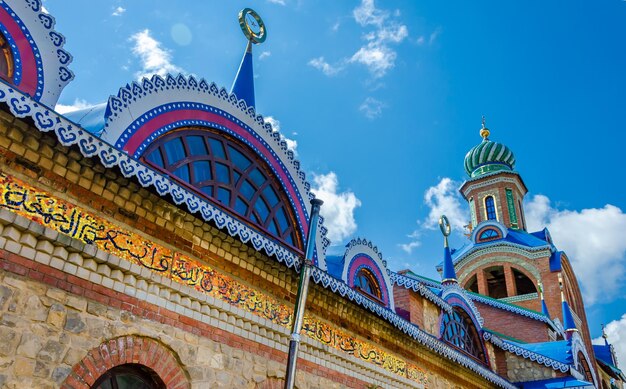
(143, 111)
(40, 62)
(498, 228)
(362, 254)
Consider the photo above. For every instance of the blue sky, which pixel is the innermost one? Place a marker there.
(383, 99)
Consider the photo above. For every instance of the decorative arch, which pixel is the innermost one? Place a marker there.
(144, 111)
(461, 327)
(40, 64)
(227, 171)
(125, 350)
(489, 225)
(581, 360)
(366, 271)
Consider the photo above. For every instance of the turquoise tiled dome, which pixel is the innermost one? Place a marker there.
(488, 157)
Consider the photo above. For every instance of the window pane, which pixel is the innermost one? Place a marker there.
(182, 173)
(222, 173)
(128, 381)
(174, 151)
(217, 148)
(270, 196)
(240, 160)
(240, 206)
(282, 219)
(262, 209)
(202, 170)
(257, 177)
(196, 145)
(156, 158)
(208, 190)
(273, 228)
(247, 190)
(236, 177)
(223, 195)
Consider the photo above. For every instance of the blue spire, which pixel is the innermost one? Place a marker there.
(243, 86)
(568, 320)
(544, 307)
(448, 274)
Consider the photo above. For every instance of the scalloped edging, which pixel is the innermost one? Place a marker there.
(527, 354)
(63, 75)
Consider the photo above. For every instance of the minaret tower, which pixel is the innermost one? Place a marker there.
(494, 191)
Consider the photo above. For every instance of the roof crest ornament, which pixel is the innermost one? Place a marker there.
(484, 131)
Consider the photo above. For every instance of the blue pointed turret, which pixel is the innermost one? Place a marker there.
(243, 86)
(544, 307)
(448, 273)
(254, 29)
(568, 319)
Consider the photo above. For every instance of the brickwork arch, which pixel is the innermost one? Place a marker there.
(128, 349)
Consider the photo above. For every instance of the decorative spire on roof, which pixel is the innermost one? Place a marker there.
(606, 342)
(568, 319)
(544, 307)
(254, 29)
(449, 275)
(484, 131)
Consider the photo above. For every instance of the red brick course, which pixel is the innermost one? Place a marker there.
(134, 349)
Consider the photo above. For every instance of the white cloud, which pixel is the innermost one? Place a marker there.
(265, 54)
(372, 108)
(338, 208)
(279, 2)
(420, 41)
(78, 104)
(593, 240)
(441, 199)
(118, 11)
(154, 58)
(376, 54)
(377, 58)
(367, 14)
(616, 335)
(434, 35)
(326, 68)
(292, 144)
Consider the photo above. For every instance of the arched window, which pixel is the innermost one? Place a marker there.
(6, 59)
(366, 283)
(129, 376)
(228, 172)
(490, 207)
(488, 234)
(496, 282)
(472, 284)
(523, 284)
(459, 331)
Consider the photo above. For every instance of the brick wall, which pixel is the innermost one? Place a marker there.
(38, 159)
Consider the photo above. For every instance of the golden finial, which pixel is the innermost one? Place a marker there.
(484, 131)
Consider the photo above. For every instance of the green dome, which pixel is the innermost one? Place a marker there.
(488, 157)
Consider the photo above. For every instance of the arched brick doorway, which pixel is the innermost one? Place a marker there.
(127, 350)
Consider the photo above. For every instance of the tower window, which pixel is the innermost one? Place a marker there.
(523, 284)
(488, 234)
(490, 207)
(366, 283)
(472, 284)
(496, 283)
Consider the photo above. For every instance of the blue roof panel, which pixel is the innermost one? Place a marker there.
(334, 265)
(91, 118)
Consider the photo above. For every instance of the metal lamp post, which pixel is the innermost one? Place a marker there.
(303, 291)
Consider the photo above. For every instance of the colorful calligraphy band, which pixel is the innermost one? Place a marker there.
(69, 219)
